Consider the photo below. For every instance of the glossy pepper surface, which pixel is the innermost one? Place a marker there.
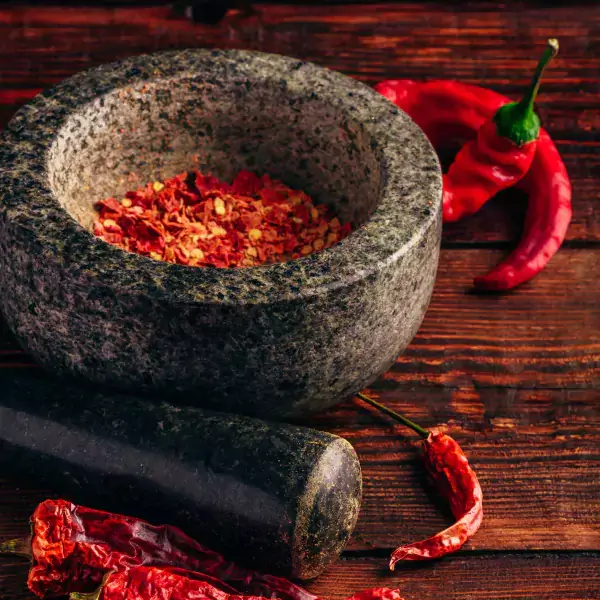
(449, 110)
(499, 157)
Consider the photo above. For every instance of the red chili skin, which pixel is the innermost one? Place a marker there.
(457, 483)
(450, 110)
(73, 547)
(376, 594)
(482, 168)
(152, 583)
(546, 222)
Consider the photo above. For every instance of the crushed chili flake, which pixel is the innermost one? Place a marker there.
(198, 220)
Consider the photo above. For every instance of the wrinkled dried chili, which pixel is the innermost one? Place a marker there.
(94, 555)
(455, 480)
(158, 583)
(152, 583)
(72, 548)
(197, 220)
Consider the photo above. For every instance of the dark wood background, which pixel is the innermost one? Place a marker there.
(514, 377)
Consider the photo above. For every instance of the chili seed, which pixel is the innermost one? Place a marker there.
(254, 235)
(220, 206)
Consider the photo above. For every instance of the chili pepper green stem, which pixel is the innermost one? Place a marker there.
(517, 121)
(388, 411)
(20, 546)
(95, 595)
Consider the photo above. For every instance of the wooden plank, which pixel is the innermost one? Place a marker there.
(474, 43)
(504, 577)
(536, 452)
(499, 577)
(545, 334)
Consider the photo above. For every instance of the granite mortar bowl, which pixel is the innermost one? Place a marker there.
(274, 341)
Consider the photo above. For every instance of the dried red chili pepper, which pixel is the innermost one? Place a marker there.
(448, 110)
(152, 583)
(457, 483)
(158, 583)
(73, 547)
(194, 219)
(376, 594)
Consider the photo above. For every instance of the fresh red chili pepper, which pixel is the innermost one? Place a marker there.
(153, 583)
(448, 110)
(457, 483)
(73, 547)
(546, 222)
(501, 154)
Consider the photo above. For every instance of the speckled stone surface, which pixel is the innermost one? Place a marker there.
(279, 498)
(278, 340)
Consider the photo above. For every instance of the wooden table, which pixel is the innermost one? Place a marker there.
(514, 377)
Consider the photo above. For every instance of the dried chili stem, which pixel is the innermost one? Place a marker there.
(20, 546)
(86, 595)
(95, 595)
(388, 411)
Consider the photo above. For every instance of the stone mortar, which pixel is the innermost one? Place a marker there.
(275, 341)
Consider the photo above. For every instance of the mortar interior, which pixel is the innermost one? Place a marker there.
(155, 130)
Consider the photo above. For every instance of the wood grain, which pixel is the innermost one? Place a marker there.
(545, 334)
(536, 453)
(514, 377)
(564, 577)
(475, 43)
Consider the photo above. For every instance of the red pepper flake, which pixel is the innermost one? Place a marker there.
(198, 220)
